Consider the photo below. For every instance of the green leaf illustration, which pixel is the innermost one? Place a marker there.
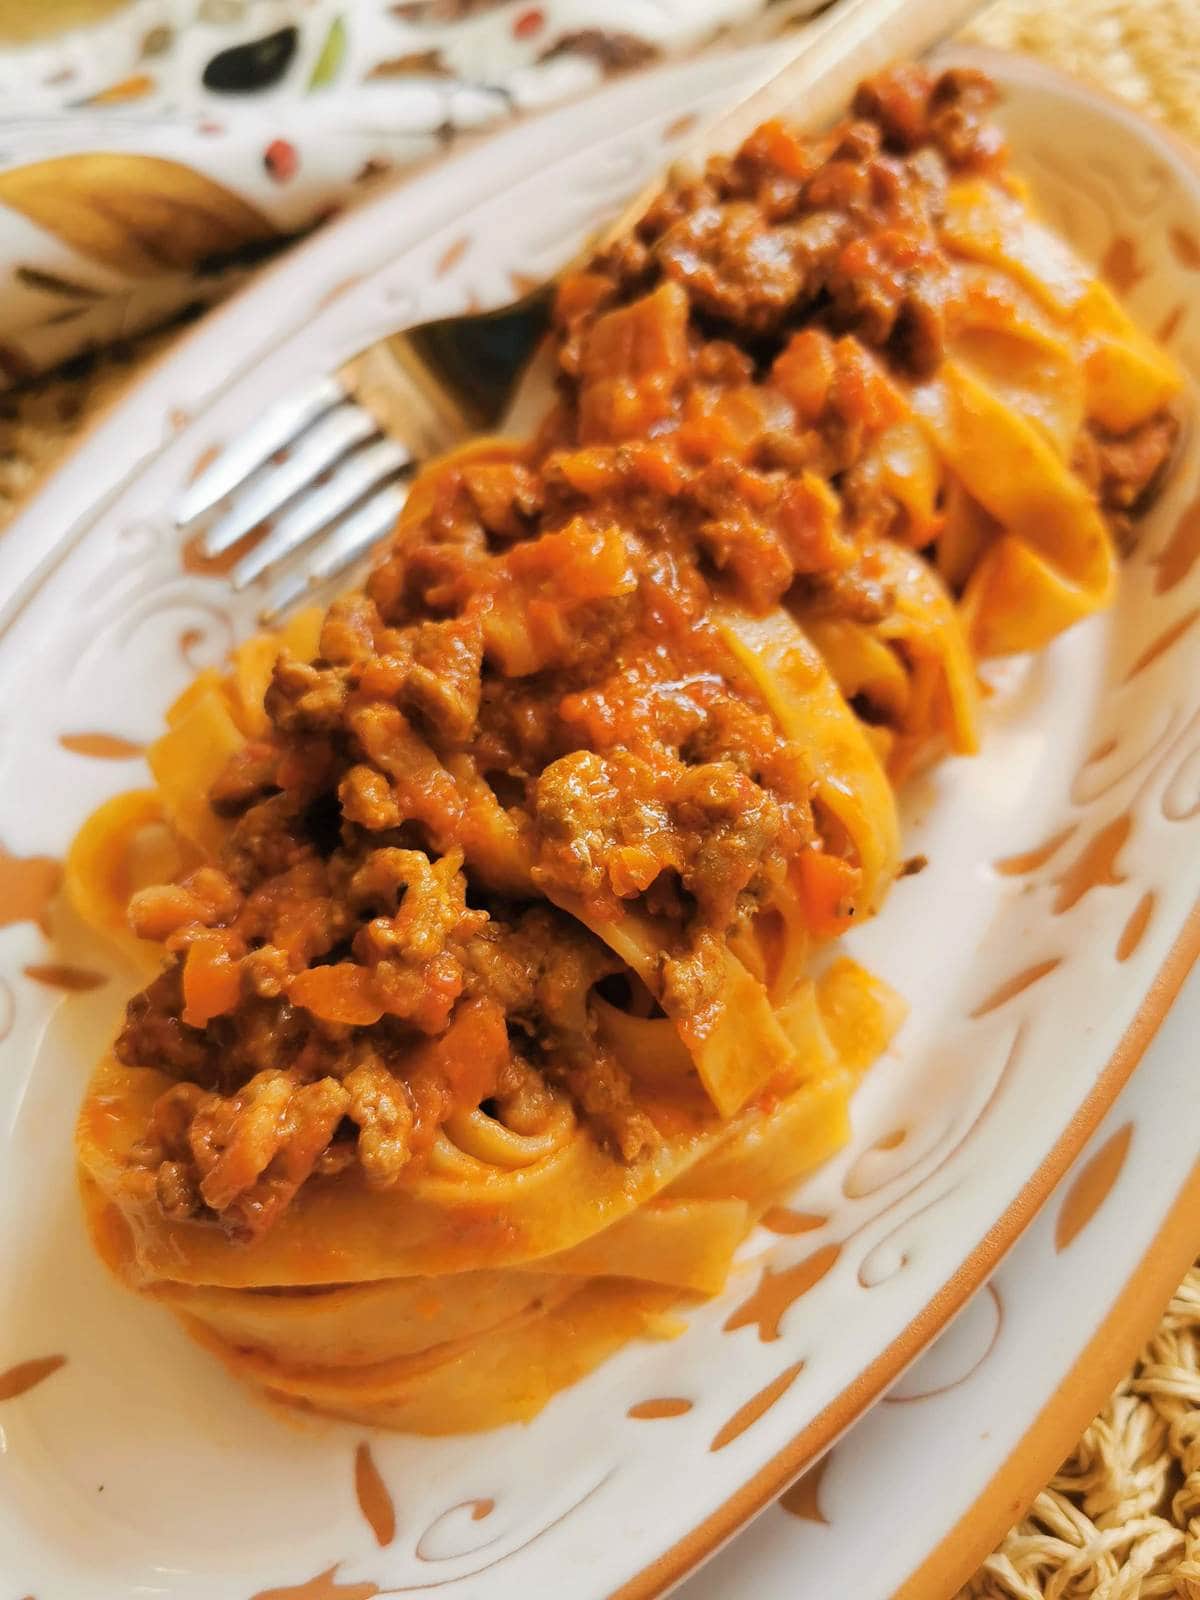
(329, 62)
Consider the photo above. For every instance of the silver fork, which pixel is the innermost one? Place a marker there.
(327, 470)
(322, 475)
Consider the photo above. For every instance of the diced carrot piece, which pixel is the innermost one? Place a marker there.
(633, 360)
(727, 422)
(591, 472)
(212, 980)
(344, 993)
(471, 1052)
(579, 564)
(780, 145)
(803, 372)
(810, 520)
(862, 391)
(541, 582)
(657, 465)
(632, 869)
(828, 885)
(645, 339)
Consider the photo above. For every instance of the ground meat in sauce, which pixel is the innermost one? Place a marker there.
(529, 699)
(1124, 469)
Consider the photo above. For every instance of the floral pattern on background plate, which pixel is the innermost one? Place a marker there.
(146, 160)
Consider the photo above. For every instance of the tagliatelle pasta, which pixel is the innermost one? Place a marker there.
(499, 902)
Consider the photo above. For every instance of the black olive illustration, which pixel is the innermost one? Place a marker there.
(248, 68)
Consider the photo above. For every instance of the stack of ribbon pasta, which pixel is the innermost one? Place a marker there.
(493, 913)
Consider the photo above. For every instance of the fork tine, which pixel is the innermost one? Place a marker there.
(350, 540)
(328, 439)
(361, 472)
(278, 425)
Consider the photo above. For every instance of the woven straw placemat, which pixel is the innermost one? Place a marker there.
(1120, 1520)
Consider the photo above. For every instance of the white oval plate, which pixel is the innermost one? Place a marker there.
(137, 1466)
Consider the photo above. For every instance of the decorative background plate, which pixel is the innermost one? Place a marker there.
(245, 122)
(1039, 950)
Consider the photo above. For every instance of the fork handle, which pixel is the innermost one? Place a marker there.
(851, 40)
